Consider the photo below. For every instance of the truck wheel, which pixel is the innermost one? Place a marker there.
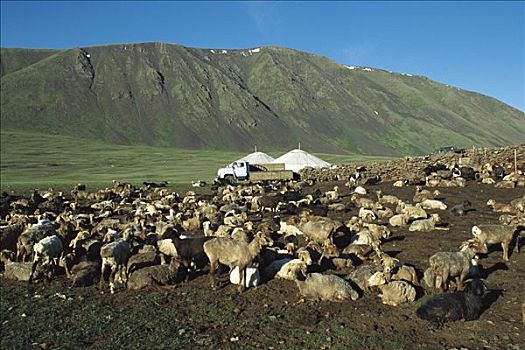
(228, 179)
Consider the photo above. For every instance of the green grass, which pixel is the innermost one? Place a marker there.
(31, 160)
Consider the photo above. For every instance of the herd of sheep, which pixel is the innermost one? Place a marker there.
(136, 237)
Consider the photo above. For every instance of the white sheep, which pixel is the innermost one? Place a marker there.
(252, 277)
(114, 256)
(433, 204)
(426, 225)
(398, 220)
(46, 253)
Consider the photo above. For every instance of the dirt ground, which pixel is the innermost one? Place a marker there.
(193, 316)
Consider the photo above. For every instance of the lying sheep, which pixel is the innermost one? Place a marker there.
(252, 277)
(493, 234)
(325, 287)
(460, 209)
(455, 306)
(392, 292)
(433, 204)
(426, 225)
(398, 220)
(501, 207)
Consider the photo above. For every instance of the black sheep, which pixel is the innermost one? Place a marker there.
(454, 306)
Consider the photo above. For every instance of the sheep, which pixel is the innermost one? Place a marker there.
(233, 253)
(460, 209)
(454, 306)
(518, 204)
(426, 225)
(190, 251)
(363, 202)
(411, 212)
(367, 215)
(422, 195)
(433, 204)
(453, 264)
(362, 274)
(325, 287)
(332, 196)
(396, 292)
(252, 277)
(501, 207)
(319, 230)
(114, 256)
(386, 199)
(398, 220)
(46, 252)
(494, 233)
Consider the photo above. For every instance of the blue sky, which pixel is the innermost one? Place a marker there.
(477, 46)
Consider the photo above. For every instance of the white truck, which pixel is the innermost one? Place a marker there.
(242, 170)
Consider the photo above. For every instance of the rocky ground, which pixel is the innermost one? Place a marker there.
(193, 316)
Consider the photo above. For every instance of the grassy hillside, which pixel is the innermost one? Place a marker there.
(168, 95)
(30, 160)
(12, 60)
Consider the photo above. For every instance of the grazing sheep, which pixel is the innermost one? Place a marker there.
(233, 253)
(325, 287)
(453, 264)
(454, 306)
(46, 253)
(114, 256)
(493, 234)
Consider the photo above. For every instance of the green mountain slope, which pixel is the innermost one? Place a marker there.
(169, 95)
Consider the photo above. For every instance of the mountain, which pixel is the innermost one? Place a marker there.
(170, 95)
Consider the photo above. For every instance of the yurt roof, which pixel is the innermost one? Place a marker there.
(298, 159)
(257, 158)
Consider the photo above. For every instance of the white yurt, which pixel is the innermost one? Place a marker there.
(257, 158)
(297, 159)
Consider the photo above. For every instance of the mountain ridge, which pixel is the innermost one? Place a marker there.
(274, 97)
